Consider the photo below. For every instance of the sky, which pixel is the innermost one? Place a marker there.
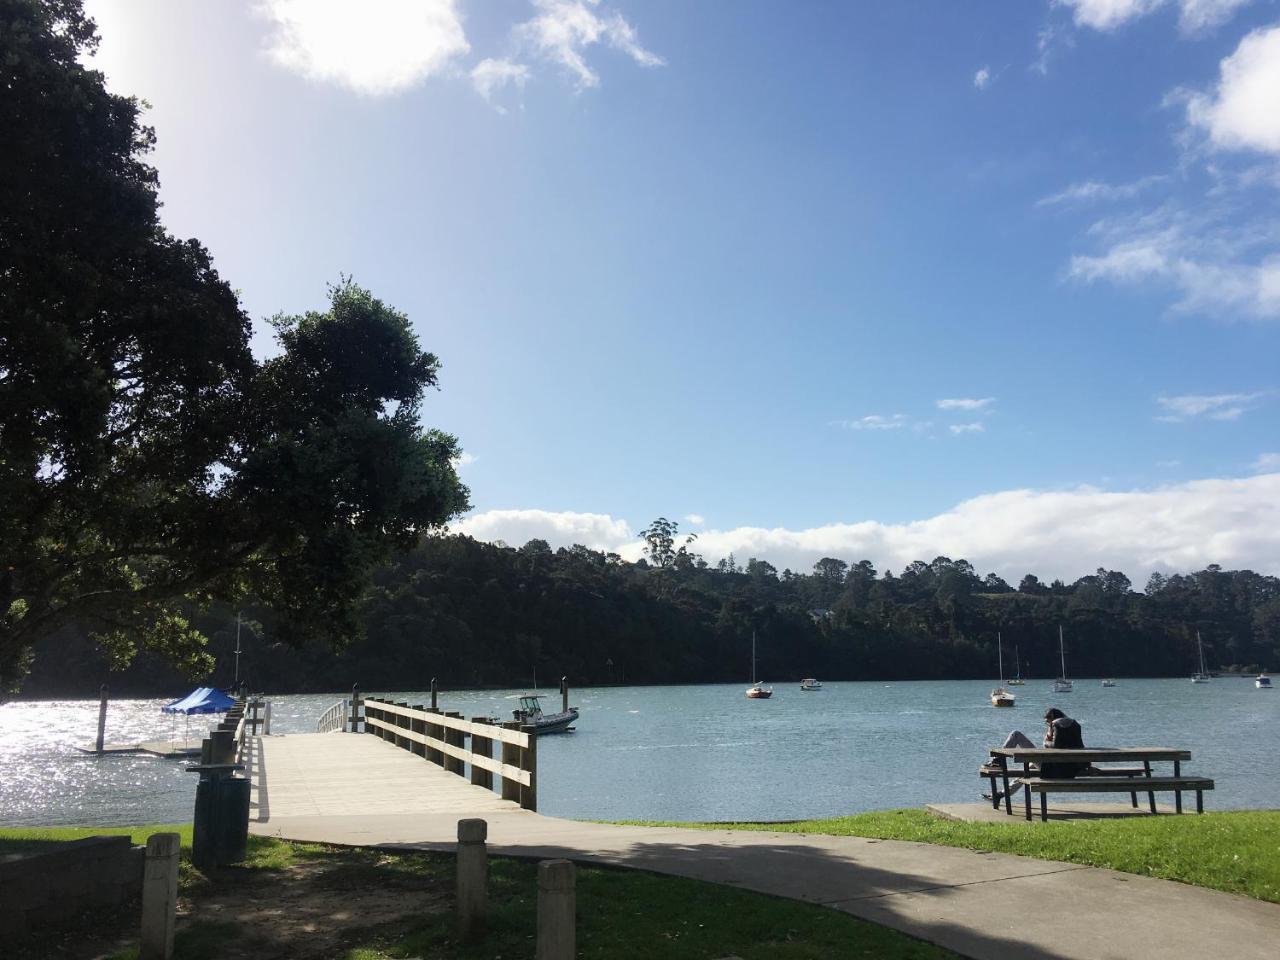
(996, 281)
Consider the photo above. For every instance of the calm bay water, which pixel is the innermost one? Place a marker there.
(693, 753)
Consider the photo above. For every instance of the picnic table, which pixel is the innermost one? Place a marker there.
(1094, 779)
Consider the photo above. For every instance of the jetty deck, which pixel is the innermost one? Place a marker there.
(353, 789)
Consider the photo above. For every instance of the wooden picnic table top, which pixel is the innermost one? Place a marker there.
(1097, 755)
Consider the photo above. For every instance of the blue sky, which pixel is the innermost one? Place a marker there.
(730, 262)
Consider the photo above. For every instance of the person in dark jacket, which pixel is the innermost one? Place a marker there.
(1061, 733)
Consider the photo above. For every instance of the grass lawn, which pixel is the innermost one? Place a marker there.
(309, 902)
(1238, 852)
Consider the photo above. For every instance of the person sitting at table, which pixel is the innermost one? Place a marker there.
(1061, 733)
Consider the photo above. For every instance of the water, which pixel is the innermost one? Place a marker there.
(694, 753)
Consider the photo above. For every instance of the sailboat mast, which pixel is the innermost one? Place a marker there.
(753, 656)
(1062, 655)
(1000, 654)
(1200, 649)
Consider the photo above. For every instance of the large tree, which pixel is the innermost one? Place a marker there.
(148, 462)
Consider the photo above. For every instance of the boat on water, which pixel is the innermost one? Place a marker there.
(1000, 697)
(809, 683)
(1062, 684)
(1201, 675)
(1262, 682)
(1016, 680)
(1108, 683)
(757, 690)
(530, 713)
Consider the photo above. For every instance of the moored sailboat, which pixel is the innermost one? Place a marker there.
(1000, 697)
(1202, 675)
(1062, 684)
(757, 690)
(1016, 680)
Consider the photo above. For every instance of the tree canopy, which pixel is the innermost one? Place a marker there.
(149, 463)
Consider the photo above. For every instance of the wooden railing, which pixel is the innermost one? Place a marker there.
(441, 738)
(335, 718)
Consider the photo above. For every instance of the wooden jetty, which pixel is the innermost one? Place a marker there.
(169, 749)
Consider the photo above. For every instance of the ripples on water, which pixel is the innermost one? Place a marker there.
(691, 753)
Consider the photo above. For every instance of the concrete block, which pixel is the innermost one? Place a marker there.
(472, 879)
(557, 911)
(159, 897)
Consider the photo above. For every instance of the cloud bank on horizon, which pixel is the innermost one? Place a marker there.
(1054, 534)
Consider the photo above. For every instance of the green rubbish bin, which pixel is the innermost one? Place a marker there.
(220, 833)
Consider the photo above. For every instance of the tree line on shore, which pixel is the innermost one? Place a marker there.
(476, 614)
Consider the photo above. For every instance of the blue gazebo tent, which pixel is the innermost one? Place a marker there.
(200, 700)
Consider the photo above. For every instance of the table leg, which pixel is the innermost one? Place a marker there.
(1199, 801)
(1133, 797)
(1177, 800)
(1008, 802)
(995, 796)
(1151, 797)
(1044, 807)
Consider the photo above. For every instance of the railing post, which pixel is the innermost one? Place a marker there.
(510, 757)
(529, 762)
(472, 879)
(481, 746)
(418, 725)
(404, 743)
(455, 738)
(266, 719)
(564, 694)
(355, 708)
(159, 896)
(102, 718)
(435, 707)
(434, 732)
(557, 911)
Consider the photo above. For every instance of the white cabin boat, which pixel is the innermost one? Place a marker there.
(809, 683)
(1262, 682)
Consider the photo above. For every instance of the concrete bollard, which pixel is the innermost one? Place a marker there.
(159, 896)
(557, 911)
(473, 878)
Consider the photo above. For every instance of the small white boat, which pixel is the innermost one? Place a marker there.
(1000, 697)
(1062, 684)
(1202, 675)
(529, 713)
(1108, 683)
(757, 690)
(809, 683)
(1262, 682)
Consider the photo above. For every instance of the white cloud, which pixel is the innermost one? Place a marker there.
(1194, 16)
(1233, 522)
(463, 459)
(965, 403)
(1094, 190)
(959, 428)
(562, 29)
(875, 421)
(596, 530)
(375, 47)
(1243, 112)
(982, 78)
(1217, 406)
(696, 519)
(1267, 463)
(491, 76)
(1168, 464)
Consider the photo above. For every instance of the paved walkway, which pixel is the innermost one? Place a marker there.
(349, 789)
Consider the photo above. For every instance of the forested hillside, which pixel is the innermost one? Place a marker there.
(481, 614)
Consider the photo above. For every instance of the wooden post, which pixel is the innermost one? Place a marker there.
(266, 719)
(102, 718)
(557, 911)
(434, 732)
(483, 747)
(564, 694)
(418, 725)
(402, 721)
(435, 707)
(455, 738)
(473, 878)
(529, 761)
(159, 896)
(355, 708)
(511, 757)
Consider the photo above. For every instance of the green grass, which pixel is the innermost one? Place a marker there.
(1238, 852)
(622, 914)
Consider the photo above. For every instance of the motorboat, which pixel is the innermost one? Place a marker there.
(1262, 682)
(1108, 683)
(530, 714)
(1062, 684)
(1000, 697)
(757, 690)
(810, 684)
(1201, 675)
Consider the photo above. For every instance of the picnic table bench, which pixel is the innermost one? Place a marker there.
(1093, 779)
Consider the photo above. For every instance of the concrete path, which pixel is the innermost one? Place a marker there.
(982, 905)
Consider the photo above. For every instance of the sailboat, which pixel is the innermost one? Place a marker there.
(1016, 680)
(1203, 675)
(1000, 697)
(1062, 684)
(757, 690)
